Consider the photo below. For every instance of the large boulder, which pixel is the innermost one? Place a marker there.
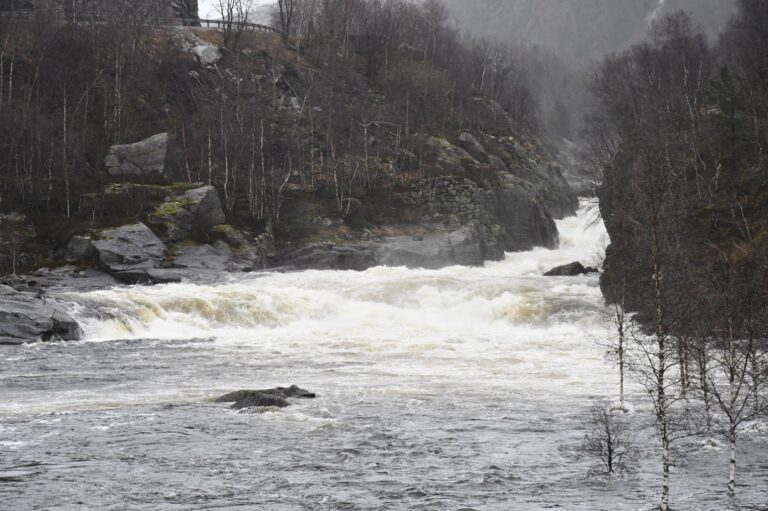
(523, 218)
(30, 317)
(204, 52)
(330, 256)
(143, 161)
(128, 245)
(570, 270)
(130, 253)
(191, 213)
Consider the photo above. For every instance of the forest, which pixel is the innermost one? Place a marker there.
(343, 106)
(679, 136)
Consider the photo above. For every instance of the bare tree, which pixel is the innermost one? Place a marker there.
(608, 438)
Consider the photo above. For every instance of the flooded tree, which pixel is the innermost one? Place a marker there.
(608, 439)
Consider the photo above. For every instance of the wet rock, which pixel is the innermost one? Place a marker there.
(524, 219)
(66, 278)
(329, 256)
(145, 161)
(570, 270)
(277, 397)
(30, 317)
(459, 247)
(216, 258)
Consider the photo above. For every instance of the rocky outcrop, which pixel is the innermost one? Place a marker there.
(467, 246)
(524, 220)
(507, 212)
(191, 213)
(570, 270)
(130, 253)
(277, 397)
(329, 256)
(145, 161)
(204, 52)
(29, 317)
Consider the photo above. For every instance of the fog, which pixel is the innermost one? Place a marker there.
(580, 30)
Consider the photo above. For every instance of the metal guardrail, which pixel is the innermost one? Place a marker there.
(223, 25)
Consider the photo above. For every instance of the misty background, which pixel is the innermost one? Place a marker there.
(557, 41)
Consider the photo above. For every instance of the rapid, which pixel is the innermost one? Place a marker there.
(460, 388)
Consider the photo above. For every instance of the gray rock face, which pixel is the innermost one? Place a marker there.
(128, 245)
(130, 253)
(144, 161)
(27, 317)
(327, 256)
(189, 214)
(460, 247)
(524, 220)
(268, 397)
(468, 245)
(216, 258)
(205, 53)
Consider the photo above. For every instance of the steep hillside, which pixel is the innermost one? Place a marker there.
(236, 151)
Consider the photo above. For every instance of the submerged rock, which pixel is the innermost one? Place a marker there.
(570, 270)
(277, 397)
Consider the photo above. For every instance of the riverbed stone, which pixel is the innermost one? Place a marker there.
(277, 397)
(570, 270)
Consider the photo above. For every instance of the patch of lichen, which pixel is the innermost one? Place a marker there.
(171, 208)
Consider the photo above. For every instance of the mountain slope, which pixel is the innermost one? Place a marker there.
(584, 29)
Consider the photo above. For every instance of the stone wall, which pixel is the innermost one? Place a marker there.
(451, 199)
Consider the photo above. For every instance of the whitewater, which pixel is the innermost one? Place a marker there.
(461, 388)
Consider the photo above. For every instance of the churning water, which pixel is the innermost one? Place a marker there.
(461, 388)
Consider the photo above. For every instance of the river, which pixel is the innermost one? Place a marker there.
(460, 388)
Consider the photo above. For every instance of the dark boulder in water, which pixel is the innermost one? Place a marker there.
(277, 397)
(570, 270)
(30, 317)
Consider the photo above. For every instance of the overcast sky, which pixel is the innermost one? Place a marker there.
(208, 11)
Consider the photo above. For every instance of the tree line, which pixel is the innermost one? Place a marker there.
(679, 134)
(345, 104)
